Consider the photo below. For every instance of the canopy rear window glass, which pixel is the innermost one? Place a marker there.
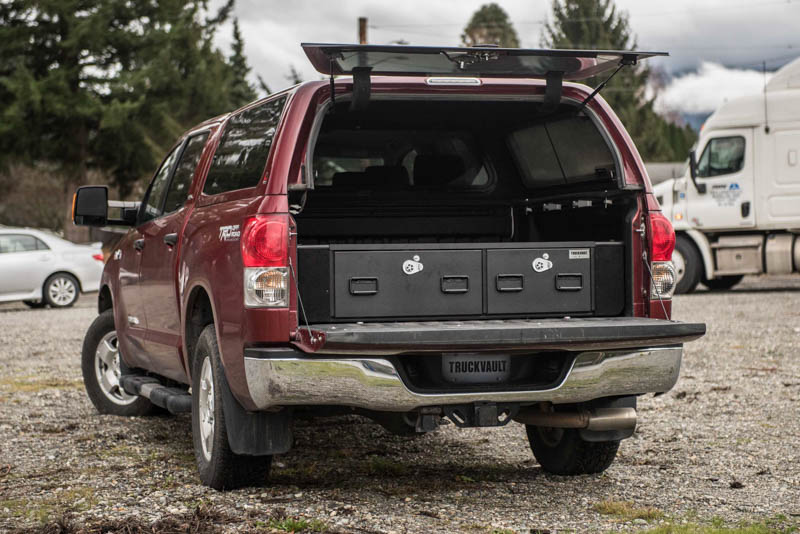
(478, 61)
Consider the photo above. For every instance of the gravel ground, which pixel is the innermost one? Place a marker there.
(722, 444)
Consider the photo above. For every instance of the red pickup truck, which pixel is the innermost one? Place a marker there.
(436, 233)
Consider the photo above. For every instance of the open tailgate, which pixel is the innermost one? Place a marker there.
(498, 335)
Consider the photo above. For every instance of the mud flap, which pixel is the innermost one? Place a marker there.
(255, 433)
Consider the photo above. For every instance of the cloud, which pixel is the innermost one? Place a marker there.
(708, 88)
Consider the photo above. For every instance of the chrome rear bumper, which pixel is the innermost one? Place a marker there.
(375, 384)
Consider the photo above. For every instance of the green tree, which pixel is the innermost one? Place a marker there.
(490, 25)
(106, 84)
(597, 24)
(241, 90)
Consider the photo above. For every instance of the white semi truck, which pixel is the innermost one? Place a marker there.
(736, 211)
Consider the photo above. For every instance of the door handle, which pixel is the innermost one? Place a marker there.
(171, 239)
(745, 209)
(138, 244)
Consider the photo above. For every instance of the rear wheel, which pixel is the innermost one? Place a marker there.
(723, 282)
(562, 451)
(61, 290)
(219, 467)
(688, 265)
(102, 367)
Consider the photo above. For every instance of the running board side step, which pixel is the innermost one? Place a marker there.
(174, 400)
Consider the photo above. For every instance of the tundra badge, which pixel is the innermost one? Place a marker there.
(542, 264)
(412, 266)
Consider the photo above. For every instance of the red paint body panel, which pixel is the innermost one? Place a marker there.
(202, 260)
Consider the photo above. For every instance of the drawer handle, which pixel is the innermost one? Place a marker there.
(364, 286)
(455, 284)
(509, 282)
(569, 282)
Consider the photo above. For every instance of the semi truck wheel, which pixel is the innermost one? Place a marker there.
(688, 265)
(219, 467)
(723, 282)
(562, 451)
(102, 367)
(61, 290)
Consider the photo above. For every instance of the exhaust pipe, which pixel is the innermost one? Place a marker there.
(598, 419)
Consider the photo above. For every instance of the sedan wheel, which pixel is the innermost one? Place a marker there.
(61, 290)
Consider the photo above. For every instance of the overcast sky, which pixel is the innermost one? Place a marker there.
(715, 45)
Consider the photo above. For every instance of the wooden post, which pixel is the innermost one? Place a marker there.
(362, 30)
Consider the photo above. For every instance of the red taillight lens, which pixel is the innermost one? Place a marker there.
(662, 238)
(98, 257)
(265, 241)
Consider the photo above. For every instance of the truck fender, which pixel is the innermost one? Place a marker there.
(701, 242)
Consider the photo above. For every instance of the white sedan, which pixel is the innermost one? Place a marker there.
(39, 268)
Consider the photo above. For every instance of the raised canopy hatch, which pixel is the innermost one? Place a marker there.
(486, 61)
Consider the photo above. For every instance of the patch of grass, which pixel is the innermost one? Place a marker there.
(33, 385)
(715, 527)
(74, 499)
(386, 467)
(293, 524)
(627, 511)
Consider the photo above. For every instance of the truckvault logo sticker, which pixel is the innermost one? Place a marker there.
(579, 254)
(412, 266)
(229, 233)
(542, 264)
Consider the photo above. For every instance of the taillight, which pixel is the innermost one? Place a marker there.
(98, 257)
(265, 256)
(662, 238)
(265, 241)
(662, 243)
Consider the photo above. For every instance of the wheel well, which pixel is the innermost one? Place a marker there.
(80, 288)
(104, 300)
(199, 314)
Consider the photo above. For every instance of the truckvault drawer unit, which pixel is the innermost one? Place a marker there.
(342, 282)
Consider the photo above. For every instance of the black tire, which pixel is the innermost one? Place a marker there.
(35, 304)
(563, 452)
(61, 290)
(723, 282)
(693, 266)
(219, 467)
(99, 374)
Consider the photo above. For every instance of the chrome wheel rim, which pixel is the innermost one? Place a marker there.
(108, 370)
(205, 401)
(62, 291)
(680, 265)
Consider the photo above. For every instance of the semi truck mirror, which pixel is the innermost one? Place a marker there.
(701, 188)
(90, 206)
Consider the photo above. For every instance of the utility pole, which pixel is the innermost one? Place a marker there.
(362, 30)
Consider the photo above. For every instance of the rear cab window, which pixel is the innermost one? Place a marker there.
(242, 153)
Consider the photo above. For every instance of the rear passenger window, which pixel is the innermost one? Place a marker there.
(20, 243)
(184, 172)
(242, 154)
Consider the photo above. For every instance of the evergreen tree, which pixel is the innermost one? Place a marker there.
(241, 90)
(106, 84)
(490, 25)
(294, 76)
(596, 24)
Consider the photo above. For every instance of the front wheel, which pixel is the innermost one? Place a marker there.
(220, 468)
(61, 290)
(102, 367)
(688, 266)
(562, 451)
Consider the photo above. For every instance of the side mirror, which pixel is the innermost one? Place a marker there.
(90, 206)
(701, 188)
